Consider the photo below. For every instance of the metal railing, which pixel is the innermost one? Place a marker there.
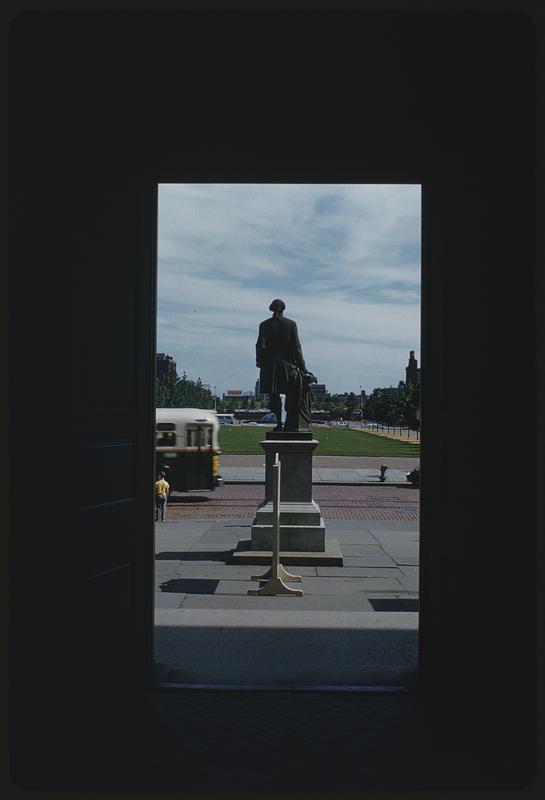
(386, 427)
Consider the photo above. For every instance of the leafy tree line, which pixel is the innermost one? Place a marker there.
(393, 406)
(171, 391)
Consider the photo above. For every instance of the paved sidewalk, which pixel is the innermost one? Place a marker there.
(345, 476)
(327, 469)
(354, 625)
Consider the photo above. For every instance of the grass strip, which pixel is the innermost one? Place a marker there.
(244, 440)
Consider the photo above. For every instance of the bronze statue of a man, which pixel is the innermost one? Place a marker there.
(279, 357)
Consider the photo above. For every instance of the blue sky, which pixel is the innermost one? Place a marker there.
(344, 258)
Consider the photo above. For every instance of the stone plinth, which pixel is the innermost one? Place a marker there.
(301, 525)
(295, 452)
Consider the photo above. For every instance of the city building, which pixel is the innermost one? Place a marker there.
(412, 371)
(238, 394)
(319, 389)
(164, 364)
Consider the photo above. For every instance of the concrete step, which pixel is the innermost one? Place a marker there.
(291, 514)
(287, 647)
(330, 556)
(292, 537)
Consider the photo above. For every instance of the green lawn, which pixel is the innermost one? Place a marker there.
(244, 440)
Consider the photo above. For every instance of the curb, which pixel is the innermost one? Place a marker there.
(407, 485)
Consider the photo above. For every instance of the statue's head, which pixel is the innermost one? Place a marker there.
(277, 306)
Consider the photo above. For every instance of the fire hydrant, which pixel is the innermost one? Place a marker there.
(383, 469)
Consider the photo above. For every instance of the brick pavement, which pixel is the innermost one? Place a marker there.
(379, 503)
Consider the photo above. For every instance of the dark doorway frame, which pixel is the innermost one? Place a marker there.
(454, 102)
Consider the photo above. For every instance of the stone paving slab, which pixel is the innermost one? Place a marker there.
(374, 556)
(166, 568)
(215, 536)
(211, 546)
(317, 585)
(169, 599)
(354, 537)
(313, 602)
(174, 544)
(367, 525)
(402, 550)
(231, 525)
(391, 525)
(397, 539)
(197, 569)
(350, 584)
(351, 571)
(409, 578)
(380, 562)
(197, 563)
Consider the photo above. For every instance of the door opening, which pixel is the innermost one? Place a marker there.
(345, 259)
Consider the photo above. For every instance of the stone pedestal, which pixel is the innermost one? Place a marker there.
(301, 525)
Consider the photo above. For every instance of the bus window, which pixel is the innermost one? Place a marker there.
(165, 434)
(192, 436)
(166, 439)
(199, 436)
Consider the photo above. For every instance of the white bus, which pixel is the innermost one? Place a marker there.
(187, 448)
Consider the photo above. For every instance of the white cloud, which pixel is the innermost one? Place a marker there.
(344, 258)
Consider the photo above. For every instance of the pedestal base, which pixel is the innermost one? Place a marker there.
(330, 557)
(301, 527)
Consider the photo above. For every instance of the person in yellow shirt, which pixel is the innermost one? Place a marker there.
(162, 490)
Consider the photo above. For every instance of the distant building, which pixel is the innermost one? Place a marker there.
(238, 394)
(164, 364)
(259, 395)
(318, 389)
(411, 371)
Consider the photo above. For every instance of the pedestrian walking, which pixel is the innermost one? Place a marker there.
(162, 490)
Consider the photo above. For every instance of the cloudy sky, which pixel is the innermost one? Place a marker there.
(344, 258)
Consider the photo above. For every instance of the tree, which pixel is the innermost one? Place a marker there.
(410, 405)
(172, 391)
(166, 390)
(394, 406)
